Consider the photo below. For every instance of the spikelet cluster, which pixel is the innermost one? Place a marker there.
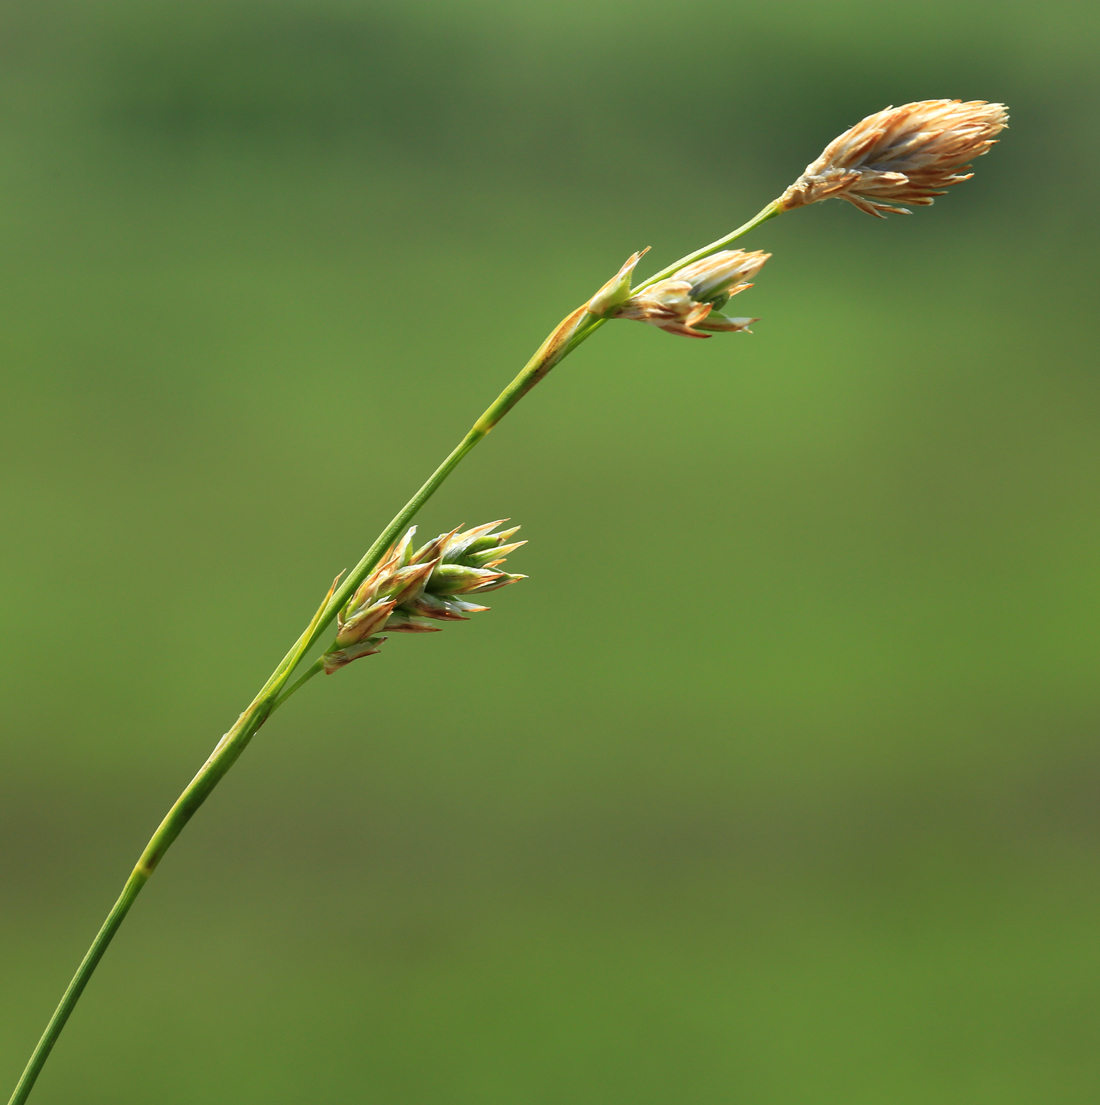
(409, 590)
(689, 302)
(906, 154)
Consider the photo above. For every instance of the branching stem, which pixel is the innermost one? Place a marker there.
(566, 336)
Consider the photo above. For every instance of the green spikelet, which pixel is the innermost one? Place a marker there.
(411, 589)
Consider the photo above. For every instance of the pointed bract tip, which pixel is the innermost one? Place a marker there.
(617, 289)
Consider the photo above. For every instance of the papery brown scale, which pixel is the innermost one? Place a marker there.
(456, 579)
(433, 549)
(432, 606)
(408, 582)
(907, 154)
(401, 621)
(503, 580)
(399, 550)
(334, 661)
(363, 624)
(683, 304)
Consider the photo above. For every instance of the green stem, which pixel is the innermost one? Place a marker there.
(762, 216)
(221, 760)
(315, 668)
(569, 333)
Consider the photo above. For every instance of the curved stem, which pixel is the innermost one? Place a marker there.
(72, 994)
(566, 336)
(229, 748)
(221, 760)
(762, 216)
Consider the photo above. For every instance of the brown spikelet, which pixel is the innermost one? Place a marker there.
(906, 154)
(687, 303)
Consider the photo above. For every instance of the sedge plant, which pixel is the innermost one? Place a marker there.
(908, 154)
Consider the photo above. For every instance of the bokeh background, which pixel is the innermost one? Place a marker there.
(778, 781)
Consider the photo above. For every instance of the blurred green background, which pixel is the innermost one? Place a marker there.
(777, 782)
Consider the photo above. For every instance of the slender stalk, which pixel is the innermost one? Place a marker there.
(566, 336)
(315, 668)
(762, 216)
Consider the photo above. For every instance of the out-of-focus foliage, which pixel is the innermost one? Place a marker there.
(778, 780)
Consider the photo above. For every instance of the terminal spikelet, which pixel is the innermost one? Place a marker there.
(411, 589)
(906, 154)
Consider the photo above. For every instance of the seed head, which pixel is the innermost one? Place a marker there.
(409, 590)
(906, 154)
(688, 302)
